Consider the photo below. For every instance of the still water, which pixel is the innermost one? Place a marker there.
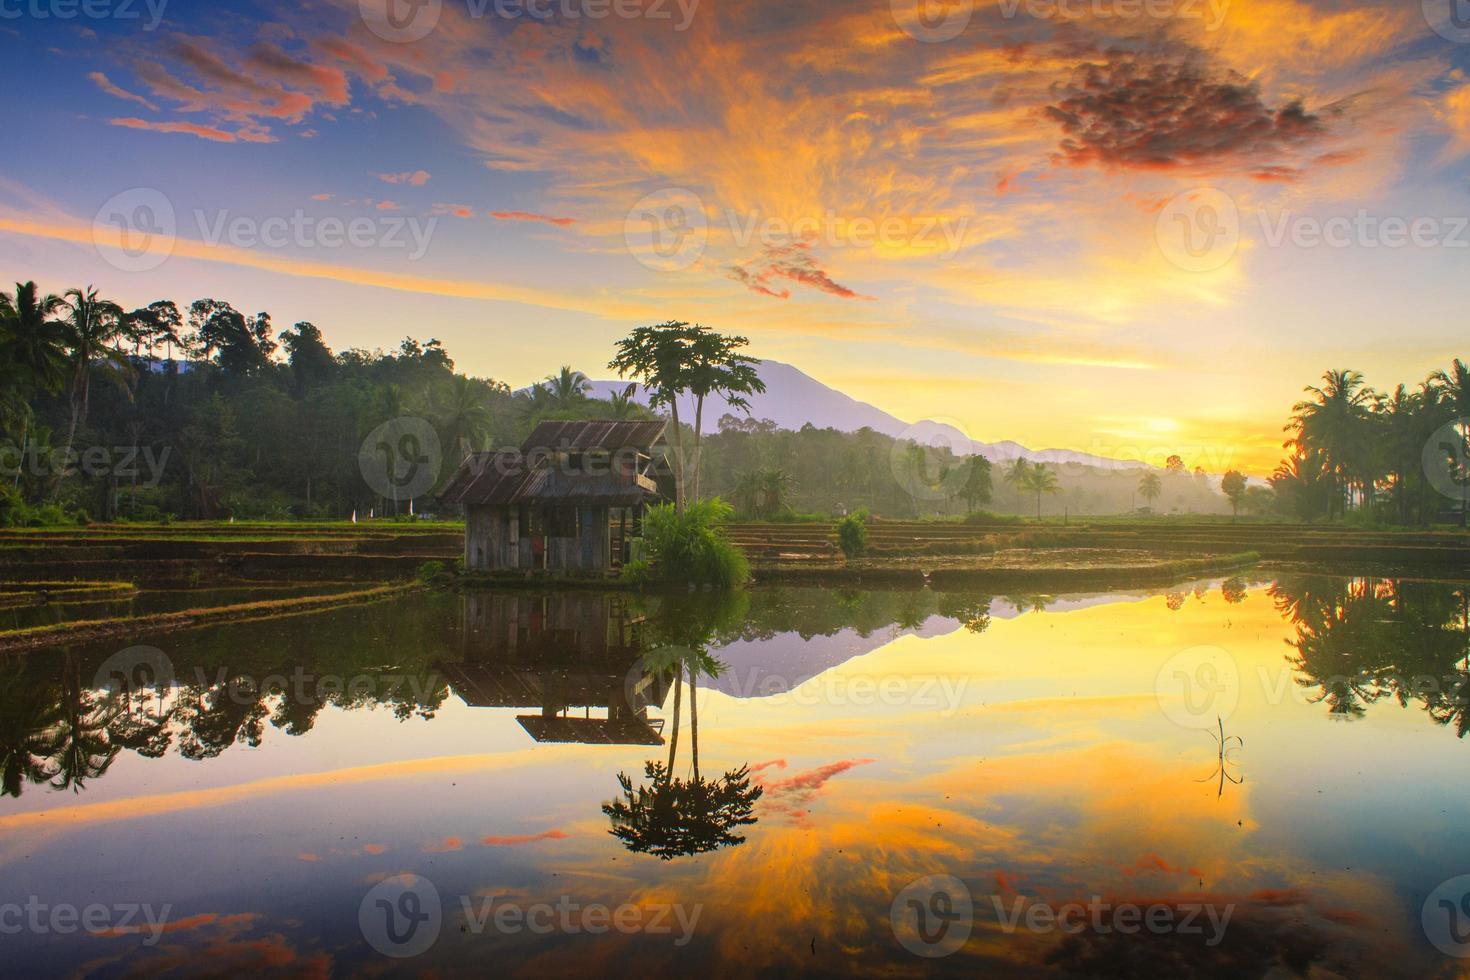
(1231, 778)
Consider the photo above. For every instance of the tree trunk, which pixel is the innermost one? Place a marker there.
(674, 738)
(694, 719)
(678, 455)
(698, 434)
(78, 409)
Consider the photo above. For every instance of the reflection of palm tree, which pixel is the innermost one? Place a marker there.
(30, 720)
(671, 817)
(84, 752)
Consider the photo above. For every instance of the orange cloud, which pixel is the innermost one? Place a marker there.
(494, 841)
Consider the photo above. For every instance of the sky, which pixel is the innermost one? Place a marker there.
(1126, 227)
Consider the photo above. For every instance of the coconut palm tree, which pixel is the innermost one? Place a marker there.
(1334, 422)
(93, 327)
(462, 409)
(1039, 480)
(1015, 477)
(1150, 486)
(567, 388)
(1454, 387)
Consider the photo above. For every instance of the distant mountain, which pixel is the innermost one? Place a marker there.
(793, 399)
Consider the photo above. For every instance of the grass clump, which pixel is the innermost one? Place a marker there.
(691, 547)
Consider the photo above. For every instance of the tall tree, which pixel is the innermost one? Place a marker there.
(657, 357)
(1332, 422)
(1454, 386)
(716, 367)
(93, 327)
(1150, 486)
(1233, 486)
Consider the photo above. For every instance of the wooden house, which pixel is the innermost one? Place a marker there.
(564, 655)
(568, 500)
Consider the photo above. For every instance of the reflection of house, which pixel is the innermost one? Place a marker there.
(568, 500)
(560, 654)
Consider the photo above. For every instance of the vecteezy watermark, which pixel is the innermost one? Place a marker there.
(124, 462)
(1445, 916)
(1198, 687)
(1125, 918)
(135, 230)
(138, 229)
(64, 919)
(937, 235)
(1446, 459)
(928, 460)
(403, 915)
(120, 10)
(1212, 12)
(933, 916)
(401, 459)
(932, 21)
(667, 230)
(1450, 19)
(405, 21)
(1201, 230)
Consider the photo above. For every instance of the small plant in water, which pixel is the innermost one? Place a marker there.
(1222, 744)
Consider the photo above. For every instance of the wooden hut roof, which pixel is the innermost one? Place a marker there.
(580, 436)
(487, 478)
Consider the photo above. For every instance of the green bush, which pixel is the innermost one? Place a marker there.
(852, 533)
(691, 547)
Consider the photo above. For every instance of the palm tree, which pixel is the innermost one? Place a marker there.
(1454, 386)
(1334, 422)
(1150, 486)
(92, 327)
(567, 388)
(1015, 477)
(32, 356)
(462, 407)
(1041, 480)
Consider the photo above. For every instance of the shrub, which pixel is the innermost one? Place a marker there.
(435, 573)
(852, 533)
(692, 546)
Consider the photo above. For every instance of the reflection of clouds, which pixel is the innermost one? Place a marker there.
(790, 797)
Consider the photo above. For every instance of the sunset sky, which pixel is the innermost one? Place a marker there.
(1015, 216)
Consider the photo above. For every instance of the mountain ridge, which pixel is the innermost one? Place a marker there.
(794, 398)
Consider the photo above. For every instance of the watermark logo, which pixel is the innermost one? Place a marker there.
(401, 916)
(1125, 918)
(1198, 687)
(932, 21)
(1199, 230)
(401, 458)
(135, 230)
(667, 230)
(134, 670)
(120, 10)
(401, 21)
(933, 916)
(65, 919)
(1450, 19)
(1446, 917)
(1211, 12)
(1446, 459)
(929, 460)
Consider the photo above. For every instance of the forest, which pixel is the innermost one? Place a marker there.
(207, 412)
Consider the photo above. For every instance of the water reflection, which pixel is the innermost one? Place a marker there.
(1359, 641)
(613, 668)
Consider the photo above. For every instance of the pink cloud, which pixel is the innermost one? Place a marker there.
(107, 86)
(195, 129)
(531, 216)
(794, 263)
